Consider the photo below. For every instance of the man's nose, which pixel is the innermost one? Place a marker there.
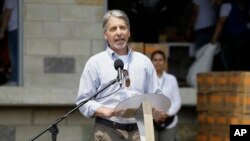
(118, 31)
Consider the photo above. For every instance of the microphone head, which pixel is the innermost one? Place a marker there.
(118, 64)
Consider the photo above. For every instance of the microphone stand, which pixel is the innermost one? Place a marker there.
(53, 127)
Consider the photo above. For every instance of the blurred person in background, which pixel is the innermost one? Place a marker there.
(9, 22)
(166, 129)
(202, 22)
(231, 31)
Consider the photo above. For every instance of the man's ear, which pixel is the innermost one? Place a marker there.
(105, 37)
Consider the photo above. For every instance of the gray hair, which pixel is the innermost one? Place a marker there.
(115, 13)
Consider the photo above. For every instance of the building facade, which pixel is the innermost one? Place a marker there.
(57, 39)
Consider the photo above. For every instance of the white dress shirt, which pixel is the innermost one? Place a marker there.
(99, 71)
(169, 87)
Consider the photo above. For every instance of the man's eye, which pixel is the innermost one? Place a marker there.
(112, 29)
(123, 28)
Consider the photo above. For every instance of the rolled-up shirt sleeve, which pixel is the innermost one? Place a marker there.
(87, 89)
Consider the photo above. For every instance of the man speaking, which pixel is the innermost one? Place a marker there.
(99, 71)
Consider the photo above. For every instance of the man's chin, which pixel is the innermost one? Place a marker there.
(120, 46)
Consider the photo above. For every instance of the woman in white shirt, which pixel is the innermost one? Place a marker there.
(166, 130)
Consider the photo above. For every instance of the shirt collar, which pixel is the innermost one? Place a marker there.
(114, 55)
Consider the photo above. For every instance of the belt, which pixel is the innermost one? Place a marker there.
(115, 125)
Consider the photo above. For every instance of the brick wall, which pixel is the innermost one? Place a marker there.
(59, 36)
(60, 29)
(24, 123)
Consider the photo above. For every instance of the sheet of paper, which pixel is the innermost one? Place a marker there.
(130, 105)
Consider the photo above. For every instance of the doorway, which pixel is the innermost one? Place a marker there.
(154, 21)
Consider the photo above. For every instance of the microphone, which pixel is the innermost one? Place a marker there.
(118, 64)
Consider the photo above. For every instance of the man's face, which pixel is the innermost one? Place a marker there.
(117, 34)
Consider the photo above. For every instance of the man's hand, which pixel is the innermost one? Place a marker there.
(109, 112)
(159, 115)
(104, 112)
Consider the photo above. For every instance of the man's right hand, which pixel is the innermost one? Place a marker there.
(104, 112)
